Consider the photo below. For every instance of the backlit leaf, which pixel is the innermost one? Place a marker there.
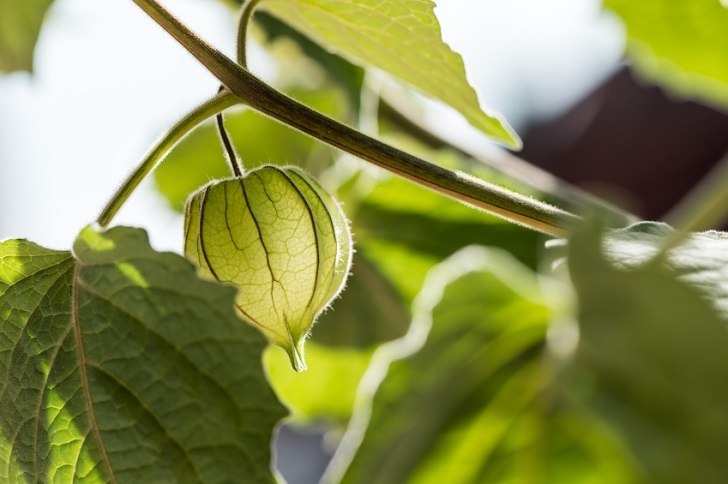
(402, 38)
(117, 364)
(679, 43)
(465, 393)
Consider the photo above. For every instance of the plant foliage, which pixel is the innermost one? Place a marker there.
(457, 353)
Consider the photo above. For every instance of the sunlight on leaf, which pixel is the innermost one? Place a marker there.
(679, 43)
(103, 378)
(402, 38)
(463, 394)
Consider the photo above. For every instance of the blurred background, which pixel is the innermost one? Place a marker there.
(107, 81)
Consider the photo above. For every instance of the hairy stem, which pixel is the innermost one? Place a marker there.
(258, 95)
(160, 149)
(510, 165)
(230, 154)
(246, 15)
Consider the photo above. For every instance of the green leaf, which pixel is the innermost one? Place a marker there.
(199, 157)
(701, 261)
(653, 349)
(369, 312)
(679, 43)
(402, 38)
(348, 76)
(118, 364)
(463, 394)
(401, 232)
(326, 391)
(20, 23)
(406, 230)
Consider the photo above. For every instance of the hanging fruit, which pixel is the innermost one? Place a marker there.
(281, 239)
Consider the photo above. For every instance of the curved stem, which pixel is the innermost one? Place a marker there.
(706, 206)
(230, 153)
(236, 165)
(512, 206)
(215, 105)
(246, 15)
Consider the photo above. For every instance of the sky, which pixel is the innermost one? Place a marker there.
(108, 81)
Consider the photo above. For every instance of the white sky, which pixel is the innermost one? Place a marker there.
(108, 81)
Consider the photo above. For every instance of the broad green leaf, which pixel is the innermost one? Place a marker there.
(199, 157)
(679, 43)
(653, 349)
(117, 364)
(463, 395)
(20, 23)
(402, 38)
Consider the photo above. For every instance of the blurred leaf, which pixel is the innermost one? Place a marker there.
(406, 229)
(680, 43)
(347, 75)
(653, 351)
(702, 260)
(325, 391)
(462, 395)
(118, 364)
(369, 312)
(402, 38)
(20, 23)
(199, 157)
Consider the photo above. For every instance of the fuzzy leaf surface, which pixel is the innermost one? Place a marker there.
(402, 38)
(117, 364)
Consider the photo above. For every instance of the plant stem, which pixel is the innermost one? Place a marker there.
(246, 15)
(221, 101)
(509, 165)
(258, 95)
(232, 156)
